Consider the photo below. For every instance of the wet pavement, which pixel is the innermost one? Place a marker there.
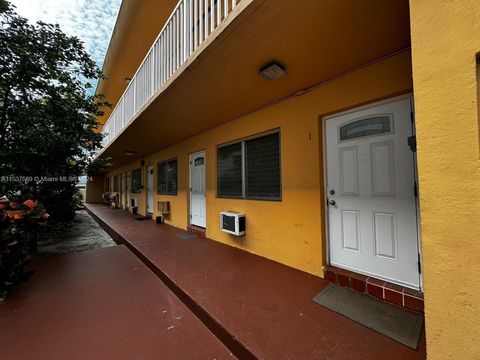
(260, 308)
(100, 304)
(82, 234)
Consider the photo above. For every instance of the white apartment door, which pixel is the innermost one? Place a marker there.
(150, 189)
(198, 190)
(125, 190)
(121, 191)
(371, 192)
(129, 188)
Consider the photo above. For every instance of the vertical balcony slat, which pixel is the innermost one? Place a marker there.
(234, 4)
(190, 28)
(200, 25)
(178, 30)
(212, 15)
(162, 59)
(205, 14)
(169, 50)
(172, 48)
(165, 56)
(195, 24)
(185, 30)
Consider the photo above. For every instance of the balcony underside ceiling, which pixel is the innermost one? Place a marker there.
(315, 41)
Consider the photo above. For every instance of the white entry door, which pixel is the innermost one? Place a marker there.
(371, 192)
(197, 190)
(129, 188)
(125, 191)
(122, 190)
(150, 189)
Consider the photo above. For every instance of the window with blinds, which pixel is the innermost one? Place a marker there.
(106, 185)
(116, 183)
(250, 169)
(136, 180)
(167, 177)
(229, 171)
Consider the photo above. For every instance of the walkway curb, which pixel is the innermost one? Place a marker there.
(229, 340)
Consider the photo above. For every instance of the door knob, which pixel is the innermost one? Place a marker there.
(332, 202)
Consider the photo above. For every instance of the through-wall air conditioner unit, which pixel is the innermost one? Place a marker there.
(164, 207)
(232, 223)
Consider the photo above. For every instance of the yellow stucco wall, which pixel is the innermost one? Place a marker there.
(94, 190)
(290, 231)
(445, 40)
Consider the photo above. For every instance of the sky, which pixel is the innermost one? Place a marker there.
(90, 20)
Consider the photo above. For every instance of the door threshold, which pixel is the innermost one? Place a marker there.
(197, 230)
(383, 290)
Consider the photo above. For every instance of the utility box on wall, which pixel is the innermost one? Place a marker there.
(232, 223)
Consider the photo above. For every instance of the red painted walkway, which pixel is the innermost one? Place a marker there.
(100, 304)
(246, 299)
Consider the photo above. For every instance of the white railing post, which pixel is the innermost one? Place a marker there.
(212, 15)
(177, 38)
(152, 71)
(205, 15)
(185, 14)
(200, 25)
(190, 28)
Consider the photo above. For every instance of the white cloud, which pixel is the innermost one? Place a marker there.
(90, 20)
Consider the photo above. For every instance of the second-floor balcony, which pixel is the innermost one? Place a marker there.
(191, 23)
(204, 68)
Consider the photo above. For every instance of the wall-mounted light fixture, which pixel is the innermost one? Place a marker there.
(273, 70)
(129, 153)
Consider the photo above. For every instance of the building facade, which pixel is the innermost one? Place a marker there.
(346, 132)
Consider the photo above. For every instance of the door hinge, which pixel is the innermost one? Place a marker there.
(415, 189)
(419, 262)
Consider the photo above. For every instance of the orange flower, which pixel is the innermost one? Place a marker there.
(30, 203)
(15, 214)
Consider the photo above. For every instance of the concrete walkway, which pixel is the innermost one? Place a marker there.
(100, 304)
(258, 308)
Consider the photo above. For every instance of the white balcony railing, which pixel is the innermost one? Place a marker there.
(189, 25)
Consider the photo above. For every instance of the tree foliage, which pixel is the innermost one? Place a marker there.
(47, 117)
